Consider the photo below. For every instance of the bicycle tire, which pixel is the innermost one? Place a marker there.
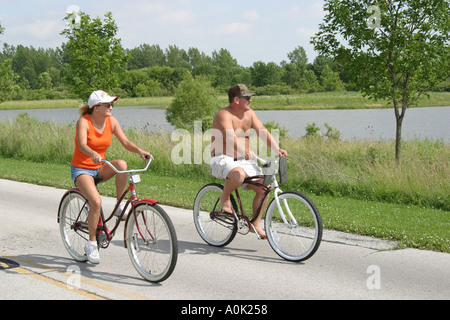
(215, 232)
(73, 208)
(294, 241)
(151, 242)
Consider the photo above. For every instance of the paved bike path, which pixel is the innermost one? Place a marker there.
(35, 265)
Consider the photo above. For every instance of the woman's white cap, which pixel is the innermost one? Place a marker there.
(100, 96)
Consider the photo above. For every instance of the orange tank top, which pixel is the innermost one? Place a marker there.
(98, 142)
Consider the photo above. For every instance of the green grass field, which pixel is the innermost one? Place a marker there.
(322, 100)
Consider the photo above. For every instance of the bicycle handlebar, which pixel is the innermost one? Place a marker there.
(269, 158)
(275, 165)
(127, 171)
(268, 161)
(261, 160)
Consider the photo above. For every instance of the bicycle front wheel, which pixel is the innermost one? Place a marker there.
(214, 228)
(293, 226)
(151, 242)
(73, 219)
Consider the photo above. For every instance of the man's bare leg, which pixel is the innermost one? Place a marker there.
(234, 180)
(256, 201)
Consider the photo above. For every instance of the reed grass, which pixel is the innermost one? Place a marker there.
(364, 170)
(367, 170)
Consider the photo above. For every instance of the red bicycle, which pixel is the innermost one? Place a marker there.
(149, 234)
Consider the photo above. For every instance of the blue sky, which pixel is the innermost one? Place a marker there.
(251, 30)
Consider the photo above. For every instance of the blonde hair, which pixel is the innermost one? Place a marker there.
(84, 109)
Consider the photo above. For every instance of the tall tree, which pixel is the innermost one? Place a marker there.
(7, 76)
(225, 67)
(299, 58)
(146, 56)
(393, 49)
(95, 57)
(177, 58)
(264, 74)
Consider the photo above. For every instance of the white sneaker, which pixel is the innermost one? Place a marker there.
(119, 211)
(92, 252)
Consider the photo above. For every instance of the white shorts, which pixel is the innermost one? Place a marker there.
(221, 165)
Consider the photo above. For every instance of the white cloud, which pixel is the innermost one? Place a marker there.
(304, 13)
(233, 28)
(272, 29)
(250, 15)
(317, 12)
(305, 32)
(35, 31)
(180, 16)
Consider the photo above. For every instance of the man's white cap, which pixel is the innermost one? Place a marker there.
(100, 96)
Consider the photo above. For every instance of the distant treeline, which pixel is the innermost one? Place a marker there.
(153, 71)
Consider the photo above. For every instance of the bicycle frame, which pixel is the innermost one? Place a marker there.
(267, 189)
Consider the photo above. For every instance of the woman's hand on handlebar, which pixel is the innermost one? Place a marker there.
(96, 158)
(146, 155)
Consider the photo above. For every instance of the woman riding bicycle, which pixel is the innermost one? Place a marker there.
(94, 132)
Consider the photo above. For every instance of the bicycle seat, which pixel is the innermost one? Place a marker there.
(97, 179)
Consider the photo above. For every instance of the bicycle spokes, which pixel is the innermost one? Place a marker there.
(143, 227)
(294, 226)
(151, 242)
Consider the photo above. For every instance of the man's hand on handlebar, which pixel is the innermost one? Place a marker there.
(282, 152)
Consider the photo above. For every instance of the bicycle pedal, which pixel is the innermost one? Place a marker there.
(102, 241)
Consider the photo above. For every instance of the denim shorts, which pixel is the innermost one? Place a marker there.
(75, 171)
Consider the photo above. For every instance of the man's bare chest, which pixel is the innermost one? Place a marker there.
(243, 124)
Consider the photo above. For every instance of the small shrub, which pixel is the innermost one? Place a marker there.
(195, 100)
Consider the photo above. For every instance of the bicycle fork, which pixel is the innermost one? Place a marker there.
(293, 222)
(145, 234)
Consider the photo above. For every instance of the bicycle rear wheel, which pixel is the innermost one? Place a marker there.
(73, 215)
(214, 228)
(296, 236)
(151, 242)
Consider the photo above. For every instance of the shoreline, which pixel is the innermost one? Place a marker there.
(311, 101)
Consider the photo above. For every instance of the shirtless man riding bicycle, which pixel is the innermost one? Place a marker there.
(231, 157)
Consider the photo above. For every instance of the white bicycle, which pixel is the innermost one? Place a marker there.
(292, 222)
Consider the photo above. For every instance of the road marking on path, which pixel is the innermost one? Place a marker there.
(16, 267)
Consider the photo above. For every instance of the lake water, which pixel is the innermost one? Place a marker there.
(373, 124)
